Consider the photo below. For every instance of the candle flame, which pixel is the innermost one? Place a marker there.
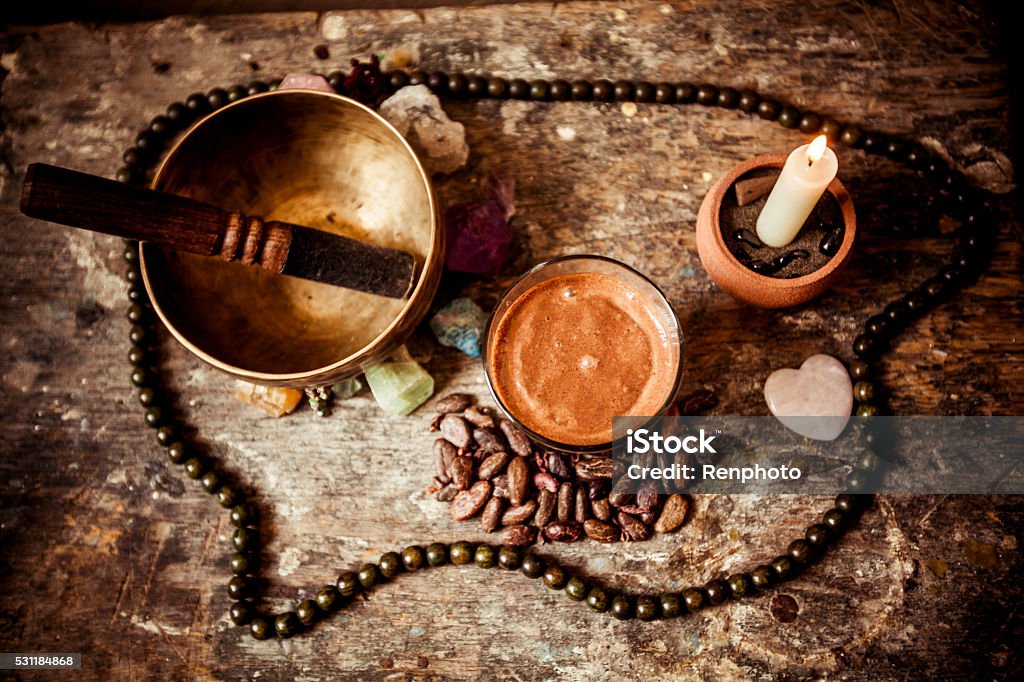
(816, 149)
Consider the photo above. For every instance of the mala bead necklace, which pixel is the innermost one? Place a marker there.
(369, 85)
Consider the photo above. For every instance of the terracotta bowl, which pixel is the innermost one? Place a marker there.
(310, 158)
(742, 282)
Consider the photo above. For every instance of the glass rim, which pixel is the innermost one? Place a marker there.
(598, 448)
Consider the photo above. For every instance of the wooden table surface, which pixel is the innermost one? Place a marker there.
(108, 550)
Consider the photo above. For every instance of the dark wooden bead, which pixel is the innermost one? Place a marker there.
(237, 92)
(438, 82)
(390, 564)
(789, 117)
(685, 93)
(509, 557)
(622, 607)
(197, 104)
(664, 93)
(598, 599)
(646, 608)
(437, 554)
(671, 605)
(137, 334)
(132, 156)
(287, 625)
(707, 94)
(604, 91)
(418, 77)
(624, 91)
(851, 136)
(243, 514)
(877, 325)
(228, 496)
(369, 575)
(835, 519)
(398, 79)
(865, 345)
(210, 482)
(728, 98)
(540, 91)
(868, 462)
(518, 89)
(740, 585)
(695, 599)
(849, 504)
(336, 79)
(866, 410)
(461, 553)
(256, 87)
(818, 536)
(873, 142)
(863, 391)
(476, 86)
(532, 565)
(178, 113)
(856, 480)
(260, 628)
(413, 558)
(832, 129)
(898, 312)
(916, 303)
(748, 101)
(497, 88)
(768, 109)
(328, 599)
(348, 585)
(241, 564)
(561, 91)
(859, 370)
(762, 577)
(239, 587)
(457, 85)
(809, 124)
(784, 567)
(555, 577)
(644, 92)
(241, 613)
(177, 453)
(245, 540)
(195, 468)
(717, 591)
(146, 395)
(800, 551)
(124, 175)
(576, 588)
(582, 91)
(307, 612)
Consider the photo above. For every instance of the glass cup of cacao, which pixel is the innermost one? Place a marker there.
(577, 341)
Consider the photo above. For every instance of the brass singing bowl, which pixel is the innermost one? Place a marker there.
(310, 158)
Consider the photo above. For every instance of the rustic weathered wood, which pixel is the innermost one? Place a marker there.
(93, 203)
(108, 550)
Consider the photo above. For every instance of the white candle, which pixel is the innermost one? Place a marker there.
(803, 180)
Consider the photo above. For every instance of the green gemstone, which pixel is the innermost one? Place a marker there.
(400, 387)
(576, 589)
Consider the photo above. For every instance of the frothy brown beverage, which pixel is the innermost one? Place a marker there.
(578, 349)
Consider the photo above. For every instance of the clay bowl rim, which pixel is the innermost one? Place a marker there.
(597, 449)
(836, 188)
(430, 262)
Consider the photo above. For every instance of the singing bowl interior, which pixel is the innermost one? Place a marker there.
(308, 158)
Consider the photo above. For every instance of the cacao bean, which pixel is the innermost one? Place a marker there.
(518, 441)
(462, 472)
(565, 501)
(491, 516)
(447, 493)
(545, 508)
(601, 531)
(518, 480)
(589, 468)
(563, 531)
(444, 453)
(468, 502)
(480, 417)
(515, 516)
(602, 509)
(649, 517)
(634, 509)
(673, 514)
(632, 528)
(620, 499)
(500, 486)
(456, 430)
(545, 481)
(581, 504)
(489, 440)
(647, 496)
(455, 402)
(558, 466)
(598, 488)
(492, 466)
(435, 423)
(519, 536)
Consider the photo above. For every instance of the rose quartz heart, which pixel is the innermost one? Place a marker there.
(815, 400)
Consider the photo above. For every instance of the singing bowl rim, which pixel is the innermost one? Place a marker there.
(385, 342)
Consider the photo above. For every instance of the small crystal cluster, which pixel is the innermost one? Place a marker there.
(460, 324)
(478, 232)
